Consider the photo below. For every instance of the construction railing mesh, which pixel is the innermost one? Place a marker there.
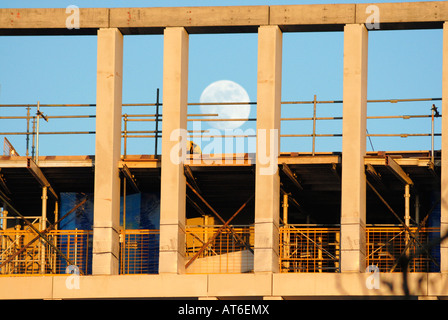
(76, 245)
(309, 249)
(40, 257)
(209, 250)
(139, 251)
(385, 245)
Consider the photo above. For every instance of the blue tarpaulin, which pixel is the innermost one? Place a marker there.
(142, 212)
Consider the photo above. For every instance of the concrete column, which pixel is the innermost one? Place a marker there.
(107, 152)
(267, 180)
(173, 188)
(444, 178)
(353, 202)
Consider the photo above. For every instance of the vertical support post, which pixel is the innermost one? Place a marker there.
(4, 226)
(432, 133)
(27, 131)
(285, 234)
(353, 197)
(285, 209)
(56, 227)
(174, 124)
(267, 179)
(156, 142)
(125, 134)
(314, 124)
(43, 226)
(444, 174)
(107, 152)
(407, 199)
(34, 138)
(36, 160)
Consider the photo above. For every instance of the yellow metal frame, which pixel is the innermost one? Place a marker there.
(384, 245)
(301, 249)
(139, 251)
(74, 243)
(309, 249)
(229, 252)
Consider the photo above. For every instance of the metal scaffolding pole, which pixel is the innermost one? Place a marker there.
(407, 197)
(43, 226)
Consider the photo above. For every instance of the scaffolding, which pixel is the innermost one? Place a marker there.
(217, 248)
(309, 249)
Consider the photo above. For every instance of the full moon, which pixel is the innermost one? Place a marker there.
(225, 91)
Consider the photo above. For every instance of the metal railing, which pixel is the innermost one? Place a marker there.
(40, 258)
(154, 132)
(309, 249)
(385, 245)
(139, 251)
(231, 251)
(432, 114)
(301, 249)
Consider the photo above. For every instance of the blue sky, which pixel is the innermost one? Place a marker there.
(402, 64)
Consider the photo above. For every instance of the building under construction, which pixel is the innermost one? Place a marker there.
(118, 225)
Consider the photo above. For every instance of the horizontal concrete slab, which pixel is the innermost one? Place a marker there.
(288, 286)
(348, 284)
(228, 285)
(130, 286)
(21, 287)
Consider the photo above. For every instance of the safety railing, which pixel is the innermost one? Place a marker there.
(385, 246)
(334, 110)
(309, 249)
(23, 256)
(212, 249)
(310, 126)
(139, 251)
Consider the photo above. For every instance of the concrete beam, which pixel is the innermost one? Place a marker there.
(307, 17)
(353, 197)
(321, 17)
(194, 19)
(51, 21)
(107, 152)
(406, 15)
